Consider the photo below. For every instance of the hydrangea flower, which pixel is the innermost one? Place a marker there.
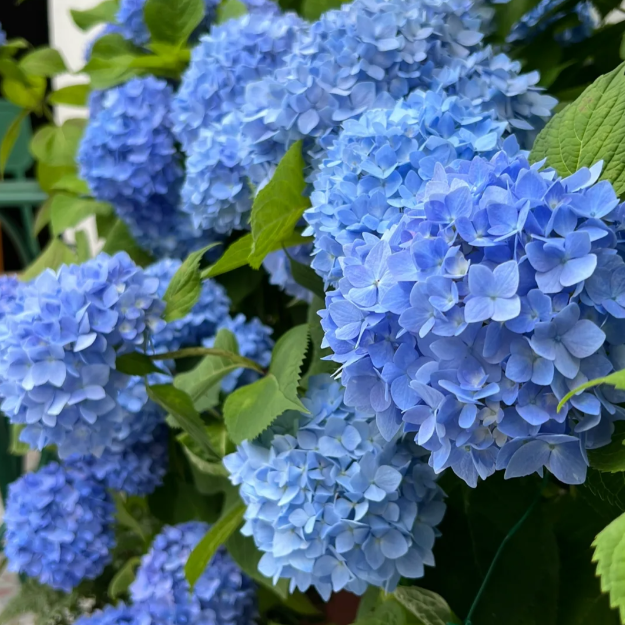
(223, 595)
(3, 36)
(128, 157)
(59, 526)
(58, 347)
(495, 294)
(332, 504)
(137, 469)
(209, 311)
(370, 53)
(122, 614)
(278, 266)
(9, 288)
(380, 161)
(545, 13)
(254, 342)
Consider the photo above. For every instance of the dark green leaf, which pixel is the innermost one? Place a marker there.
(123, 578)
(611, 457)
(73, 95)
(17, 448)
(180, 406)
(55, 255)
(214, 538)
(184, 288)
(9, 139)
(104, 12)
(119, 239)
(230, 9)
(190, 352)
(306, 276)
(312, 10)
(125, 517)
(287, 359)
(278, 206)
(44, 61)
(173, 22)
(67, 211)
(427, 606)
(136, 363)
(317, 365)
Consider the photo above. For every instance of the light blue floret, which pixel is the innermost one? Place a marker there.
(59, 527)
(331, 504)
(121, 614)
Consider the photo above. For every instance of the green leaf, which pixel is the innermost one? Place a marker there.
(73, 95)
(173, 22)
(184, 289)
(105, 12)
(42, 218)
(214, 538)
(83, 248)
(47, 175)
(191, 352)
(616, 379)
(9, 139)
(55, 255)
(588, 130)
(306, 276)
(27, 95)
(180, 406)
(610, 558)
(312, 10)
(244, 552)
(136, 363)
(611, 457)
(43, 61)
(67, 211)
(278, 206)
(123, 578)
(73, 184)
(57, 145)
(124, 516)
(111, 61)
(213, 467)
(119, 239)
(251, 409)
(229, 9)
(427, 606)
(287, 359)
(17, 448)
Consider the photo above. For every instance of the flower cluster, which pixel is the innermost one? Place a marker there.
(223, 595)
(59, 526)
(9, 288)
(332, 504)
(545, 13)
(137, 469)
(278, 265)
(254, 342)
(378, 164)
(123, 615)
(371, 53)
(3, 36)
(58, 347)
(212, 306)
(128, 157)
(498, 292)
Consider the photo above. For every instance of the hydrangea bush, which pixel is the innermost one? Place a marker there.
(350, 337)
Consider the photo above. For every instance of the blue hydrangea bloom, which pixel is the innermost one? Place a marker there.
(370, 53)
(123, 615)
(9, 289)
(332, 504)
(136, 470)
(3, 36)
(223, 595)
(128, 157)
(254, 342)
(545, 13)
(379, 162)
(58, 347)
(497, 292)
(59, 527)
(209, 311)
(278, 265)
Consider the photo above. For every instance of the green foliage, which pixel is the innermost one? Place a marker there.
(126, 518)
(313, 9)
(73, 95)
(306, 276)
(173, 22)
(72, 184)
(184, 289)
(67, 211)
(119, 239)
(111, 61)
(610, 558)
(278, 206)
(428, 607)
(16, 447)
(43, 61)
(616, 379)
(216, 536)
(99, 14)
(317, 365)
(52, 257)
(230, 9)
(610, 458)
(251, 409)
(588, 130)
(57, 145)
(123, 578)
(136, 363)
(9, 139)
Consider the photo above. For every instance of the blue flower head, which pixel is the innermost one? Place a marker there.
(136, 470)
(3, 36)
(332, 504)
(9, 289)
(470, 316)
(128, 157)
(223, 595)
(59, 526)
(209, 311)
(58, 349)
(370, 53)
(278, 266)
(254, 342)
(123, 615)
